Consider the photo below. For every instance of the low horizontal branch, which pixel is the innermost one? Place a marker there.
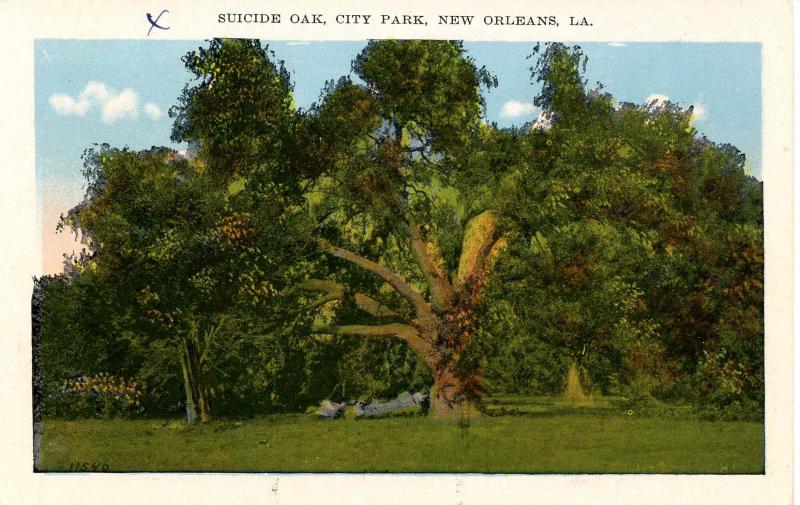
(400, 331)
(337, 291)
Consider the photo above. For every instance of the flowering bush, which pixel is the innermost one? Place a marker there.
(99, 395)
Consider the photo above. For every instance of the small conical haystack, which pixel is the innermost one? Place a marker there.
(574, 392)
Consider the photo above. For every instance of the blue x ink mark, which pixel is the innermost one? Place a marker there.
(154, 24)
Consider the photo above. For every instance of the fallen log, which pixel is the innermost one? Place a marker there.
(404, 400)
(413, 402)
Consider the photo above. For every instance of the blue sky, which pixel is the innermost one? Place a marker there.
(119, 91)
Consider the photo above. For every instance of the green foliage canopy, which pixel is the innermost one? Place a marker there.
(615, 237)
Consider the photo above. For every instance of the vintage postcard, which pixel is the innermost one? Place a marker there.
(448, 253)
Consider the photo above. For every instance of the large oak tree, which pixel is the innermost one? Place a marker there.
(390, 209)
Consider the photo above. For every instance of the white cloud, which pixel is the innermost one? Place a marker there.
(545, 121)
(298, 43)
(112, 105)
(65, 105)
(95, 92)
(698, 112)
(617, 44)
(513, 108)
(656, 101)
(152, 110)
(122, 106)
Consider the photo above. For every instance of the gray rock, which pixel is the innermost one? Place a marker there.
(331, 410)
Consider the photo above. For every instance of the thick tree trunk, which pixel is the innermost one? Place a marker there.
(443, 326)
(448, 400)
(450, 395)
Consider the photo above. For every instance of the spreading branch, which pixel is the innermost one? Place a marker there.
(499, 246)
(404, 332)
(336, 291)
(421, 307)
(440, 288)
(373, 307)
(333, 291)
(426, 257)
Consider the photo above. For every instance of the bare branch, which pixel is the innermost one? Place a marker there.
(397, 330)
(372, 306)
(421, 307)
(429, 263)
(426, 256)
(418, 192)
(337, 291)
(425, 158)
(333, 290)
(384, 330)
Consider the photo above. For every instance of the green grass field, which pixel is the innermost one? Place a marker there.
(534, 436)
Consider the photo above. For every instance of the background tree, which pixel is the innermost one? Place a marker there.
(625, 222)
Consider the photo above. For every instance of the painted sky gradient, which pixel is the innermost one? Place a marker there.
(119, 92)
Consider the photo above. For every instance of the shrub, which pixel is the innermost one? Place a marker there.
(725, 390)
(101, 395)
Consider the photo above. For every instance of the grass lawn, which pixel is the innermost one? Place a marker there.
(535, 436)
